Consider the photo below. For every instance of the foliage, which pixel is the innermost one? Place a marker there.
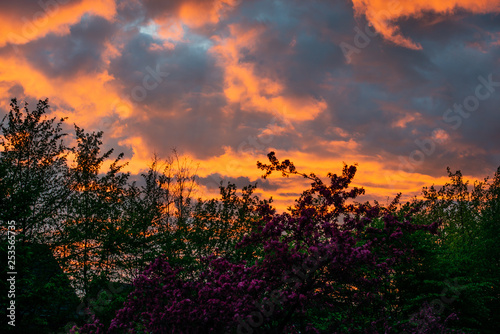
(91, 238)
(44, 298)
(32, 161)
(463, 254)
(311, 261)
(233, 264)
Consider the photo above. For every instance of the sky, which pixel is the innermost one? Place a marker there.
(402, 88)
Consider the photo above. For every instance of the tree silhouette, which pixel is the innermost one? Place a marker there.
(32, 164)
(92, 225)
(233, 264)
(316, 273)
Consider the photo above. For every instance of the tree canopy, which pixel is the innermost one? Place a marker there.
(148, 256)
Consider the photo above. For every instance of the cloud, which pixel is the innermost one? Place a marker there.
(25, 21)
(384, 15)
(81, 50)
(193, 13)
(225, 82)
(213, 180)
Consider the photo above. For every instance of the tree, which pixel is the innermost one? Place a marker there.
(456, 270)
(490, 252)
(145, 214)
(157, 213)
(32, 163)
(91, 240)
(44, 298)
(219, 224)
(325, 267)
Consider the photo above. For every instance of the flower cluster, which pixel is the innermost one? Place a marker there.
(326, 267)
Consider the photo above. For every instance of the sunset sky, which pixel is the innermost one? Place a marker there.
(403, 88)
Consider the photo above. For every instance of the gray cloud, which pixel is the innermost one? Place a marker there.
(300, 48)
(213, 181)
(79, 51)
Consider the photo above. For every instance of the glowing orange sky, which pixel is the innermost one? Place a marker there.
(382, 14)
(228, 81)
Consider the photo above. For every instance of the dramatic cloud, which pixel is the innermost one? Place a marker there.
(26, 20)
(384, 15)
(404, 89)
(193, 13)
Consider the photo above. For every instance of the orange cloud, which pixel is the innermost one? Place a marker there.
(380, 179)
(52, 17)
(172, 26)
(262, 92)
(382, 14)
(199, 13)
(85, 99)
(191, 14)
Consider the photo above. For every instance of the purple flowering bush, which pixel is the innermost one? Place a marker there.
(326, 267)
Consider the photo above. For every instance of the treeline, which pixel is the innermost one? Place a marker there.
(233, 264)
(100, 226)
